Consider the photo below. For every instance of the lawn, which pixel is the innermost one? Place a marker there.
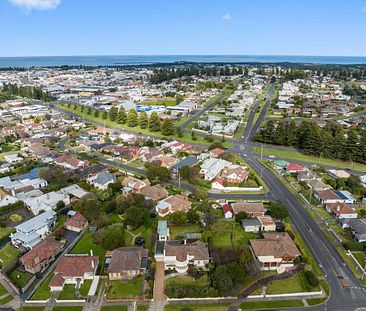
(20, 278)
(8, 254)
(108, 123)
(68, 293)
(84, 289)
(295, 284)
(277, 304)
(43, 291)
(198, 307)
(128, 289)
(176, 231)
(284, 154)
(6, 299)
(3, 291)
(86, 244)
(315, 301)
(360, 257)
(68, 308)
(60, 221)
(143, 307)
(146, 232)
(187, 286)
(114, 308)
(114, 218)
(25, 308)
(224, 230)
(322, 213)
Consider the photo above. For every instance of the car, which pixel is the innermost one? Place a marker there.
(139, 241)
(271, 156)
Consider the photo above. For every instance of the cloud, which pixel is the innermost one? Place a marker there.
(227, 16)
(29, 5)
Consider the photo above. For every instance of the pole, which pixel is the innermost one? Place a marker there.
(363, 272)
(262, 152)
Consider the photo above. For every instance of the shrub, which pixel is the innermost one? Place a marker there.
(311, 278)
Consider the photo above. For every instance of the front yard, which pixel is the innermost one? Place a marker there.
(68, 293)
(43, 291)
(187, 286)
(125, 289)
(20, 278)
(8, 254)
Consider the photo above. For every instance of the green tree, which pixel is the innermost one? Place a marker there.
(113, 114)
(179, 218)
(132, 118)
(104, 115)
(200, 193)
(143, 120)
(89, 111)
(96, 113)
(110, 237)
(121, 116)
(278, 210)
(157, 173)
(167, 128)
(154, 122)
(134, 216)
(193, 216)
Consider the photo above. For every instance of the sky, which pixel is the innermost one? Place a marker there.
(182, 27)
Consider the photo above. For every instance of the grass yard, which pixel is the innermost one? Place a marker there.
(25, 308)
(360, 257)
(197, 307)
(20, 278)
(8, 254)
(322, 213)
(3, 291)
(6, 299)
(176, 231)
(142, 307)
(5, 232)
(283, 154)
(84, 289)
(277, 304)
(43, 291)
(223, 231)
(187, 286)
(108, 123)
(67, 308)
(86, 244)
(60, 221)
(128, 289)
(114, 308)
(114, 218)
(315, 301)
(295, 284)
(68, 293)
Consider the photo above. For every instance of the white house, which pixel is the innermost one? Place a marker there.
(211, 167)
(46, 202)
(101, 180)
(32, 231)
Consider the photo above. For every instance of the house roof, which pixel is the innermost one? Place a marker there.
(341, 208)
(77, 221)
(37, 222)
(178, 202)
(227, 208)
(163, 227)
(277, 244)
(328, 195)
(248, 207)
(41, 252)
(188, 161)
(217, 151)
(155, 193)
(197, 249)
(104, 178)
(294, 167)
(127, 258)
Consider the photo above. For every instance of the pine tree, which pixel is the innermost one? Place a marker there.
(154, 122)
(143, 120)
(113, 114)
(96, 113)
(104, 115)
(132, 118)
(89, 111)
(167, 128)
(121, 116)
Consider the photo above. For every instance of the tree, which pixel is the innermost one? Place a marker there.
(113, 114)
(240, 216)
(157, 173)
(89, 111)
(192, 216)
(132, 118)
(193, 135)
(96, 113)
(134, 216)
(143, 120)
(200, 193)
(104, 115)
(167, 128)
(60, 205)
(121, 116)
(311, 278)
(277, 210)
(154, 122)
(110, 237)
(179, 218)
(216, 145)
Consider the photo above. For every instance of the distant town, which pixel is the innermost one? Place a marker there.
(183, 186)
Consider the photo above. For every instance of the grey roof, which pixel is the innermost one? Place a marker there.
(163, 227)
(36, 222)
(104, 178)
(188, 161)
(250, 222)
(357, 224)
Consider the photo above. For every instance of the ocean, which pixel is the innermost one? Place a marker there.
(43, 61)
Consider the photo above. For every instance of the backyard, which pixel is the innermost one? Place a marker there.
(187, 286)
(8, 254)
(178, 231)
(20, 278)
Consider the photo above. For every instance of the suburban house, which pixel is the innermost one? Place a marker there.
(358, 227)
(154, 193)
(6, 198)
(275, 251)
(173, 204)
(228, 211)
(294, 168)
(341, 210)
(41, 255)
(46, 202)
(212, 167)
(101, 180)
(76, 222)
(260, 223)
(339, 174)
(70, 162)
(127, 262)
(133, 185)
(308, 176)
(163, 230)
(253, 209)
(29, 233)
(318, 185)
(234, 174)
(182, 256)
(346, 196)
(327, 196)
(74, 269)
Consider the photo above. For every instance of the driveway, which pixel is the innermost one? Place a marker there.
(159, 282)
